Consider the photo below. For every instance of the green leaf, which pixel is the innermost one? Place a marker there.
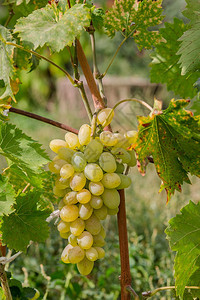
(25, 224)
(25, 7)
(183, 233)
(172, 137)
(7, 71)
(98, 18)
(7, 196)
(2, 295)
(50, 27)
(190, 40)
(135, 18)
(24, 153)
(165, 67)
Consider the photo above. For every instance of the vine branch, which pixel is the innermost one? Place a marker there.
(43, 119)
(4, 283)
(152, 293)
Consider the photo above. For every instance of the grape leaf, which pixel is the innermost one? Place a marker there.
(24, 153)
(183, 233)
(190, 40)
(7, 196)
(172, 137)
(26, 223)
(165, 67)
(7, 71)
(134, 18)
(25, 7)
(2, 295)
(56, 30)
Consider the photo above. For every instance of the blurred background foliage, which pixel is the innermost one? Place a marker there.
(147, 213)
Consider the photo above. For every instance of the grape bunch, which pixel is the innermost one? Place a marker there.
(89, 174)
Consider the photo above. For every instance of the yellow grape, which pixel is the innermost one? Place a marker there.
(111, 198)
(83, 196)
(84, 134)
(111, 180)
(61, 204)
(93, 150)
(125, 182)
(63, 226)
(113, 212)
(105, 116)
(78, 161)
(122, 141)
(91, 254)
(93, 172)
(70, 198)
(61, 183)
(102, 232)
(101, 252)
(56, 165)
(96, 188)
(93, 225)
(77, 227)
(85, 266)
(66, 154)
(64, 235)
(72, 239)
(72, 140)
(77, 182)
(85, 211)
(76, 254)
(66, 171)
(98, 240)
(107, 162)
(131, 136)
(69, 213)
(65, 253)
(108, 139)
(56, 144)
(101, 213)
(59, 192)
(96, 202)
(85, 240)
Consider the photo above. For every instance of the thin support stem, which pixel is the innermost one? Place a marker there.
(98, 101)
(96, 72)
(11, 14)
(43, 57)
(133, 100)
(152, 293)
(43, 119)
(4, 283)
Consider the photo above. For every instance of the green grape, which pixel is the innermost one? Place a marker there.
(93, 172)
(120, 168)
(72, 140)
(96, 202)
(111, 198)
(112, 212)
(85, 266)
(101, 252)
(77, 182)
(64, 235)
(98, 240)
(96, 188)
(72, 239)
(108, 139)
(107, 162)
(131, 136)
(78, 162)
(84, 134)
(122, 154)
(85, 240)
(66, 171)
(61, 183)
(85, 211)
(125, 182)
(83, 196)
(91, 254)
(105, 116)
(133, 161)
(111, 180)
(101, 213)
(65, 253)
(93, 225)
(70, 198)
(76, 254)
(63, 227)
(61, 204)
(66, 154)
(69, 213)
(93, 150)
(56, 144)
(77, 227)
(102, 232)
(56, 165)
(122, 141)
(59, 192)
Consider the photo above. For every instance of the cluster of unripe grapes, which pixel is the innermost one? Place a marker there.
(89, 173)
